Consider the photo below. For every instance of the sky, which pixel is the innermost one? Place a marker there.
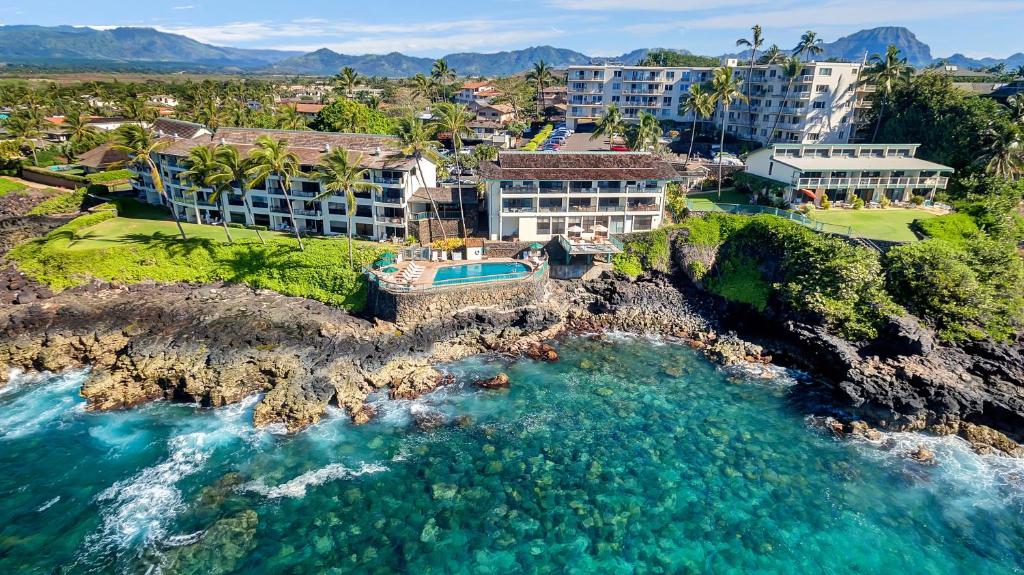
(976, 28)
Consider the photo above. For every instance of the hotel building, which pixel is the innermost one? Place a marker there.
(379, 215)
(845, 171)
(821, 105)
(539, 195)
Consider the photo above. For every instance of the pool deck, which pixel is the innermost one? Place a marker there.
(430, 268)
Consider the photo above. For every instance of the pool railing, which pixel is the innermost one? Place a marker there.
(440, 284)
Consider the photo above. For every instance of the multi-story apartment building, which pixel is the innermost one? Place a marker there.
(845, 171)
(539, 195)
(819, 105)
(379, 215)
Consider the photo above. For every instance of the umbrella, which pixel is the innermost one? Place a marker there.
(575, 229)
(536, 246)
(387, 256)
(381, 263)
(389, 270)
(599, 228)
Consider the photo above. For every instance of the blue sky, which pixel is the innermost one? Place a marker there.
(596, 27)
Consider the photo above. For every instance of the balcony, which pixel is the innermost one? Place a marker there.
(391, 220)
(582, 190)
(935, 181)
(642, 208)
(388, 181)
(606, 190)
(308, 213)
(388, 199)
(551, 209)
(519, 190)
(582, 208)
(518, 209)
(611, 208)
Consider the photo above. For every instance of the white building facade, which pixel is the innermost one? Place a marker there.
(845, 171)
(820, 105)
(535, 196)
(379, 214)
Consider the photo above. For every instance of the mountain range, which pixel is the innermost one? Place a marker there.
(71, 47)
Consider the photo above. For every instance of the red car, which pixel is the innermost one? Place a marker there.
(619, 148)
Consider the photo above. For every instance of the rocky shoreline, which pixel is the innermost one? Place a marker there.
(216, 344)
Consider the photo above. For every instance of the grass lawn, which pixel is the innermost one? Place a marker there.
(7, 186)
(133, 249)
(706, 200)
(891, 224)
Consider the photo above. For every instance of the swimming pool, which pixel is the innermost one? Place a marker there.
(484, 271)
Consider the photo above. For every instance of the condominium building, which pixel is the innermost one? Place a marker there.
(379, 215)
(539, 195)
(819, 104)
(845, 171)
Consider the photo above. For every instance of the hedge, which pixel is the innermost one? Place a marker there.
(109, 176)
(64, 203)
(536, 141)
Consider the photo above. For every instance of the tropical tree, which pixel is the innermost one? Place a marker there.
(289, 118)
(81, 134)
(610, 125)
(725, 88)
(772, 55)
(810, 45)
(702, 105)
(442, 73)
(140, 147)
(233, 173)
(454, 119)
(541, 77)
(272, 159)
(1003, 155)
(24, 128)
(754, 43)
(1019, 72)
(791, 67)
(339, 173)
(416, 140)
(139, 109)
(1016, 105)
(347, 79)
(200, 165)
(644, 135)
(886, 72)
(423, 87)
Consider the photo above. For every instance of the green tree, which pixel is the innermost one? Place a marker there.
(725, 88)
(200, 165)
(417, 141)
(353, 117)
(272, 159)
(1003, 154)
(702, 105)
(81, 134)
(289, 118)
(541, 77)
(810, 45)
(139, 109)
(662, 58)
(234, 173)
(140, 147)
(24, 128)
(443, 76)
(423, 87)
(644, 135)
(610, 125)
(347, 80)
(454, 119)
(754, 43)
(773, 55)
(339, 173)
(887, 72)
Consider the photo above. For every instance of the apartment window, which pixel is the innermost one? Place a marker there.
(641, 223)
(544, 226)
(615, 98)
(616, 86)
(686, 76)
(670, 75)
(666, 101)
(825, 72)
(771, 73)
(821, 89)
(819, 105)
(617, 74)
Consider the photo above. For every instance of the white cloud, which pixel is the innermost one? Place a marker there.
(650, 5)
(186, 7)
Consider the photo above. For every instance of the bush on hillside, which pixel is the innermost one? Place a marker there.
(64, 203)
(955, 228)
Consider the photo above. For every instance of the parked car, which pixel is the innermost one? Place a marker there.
(619, 148)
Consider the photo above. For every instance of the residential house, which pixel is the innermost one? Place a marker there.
(845, 171)
(378, 215)
(164, 100)
(539, 195)
(307, 110)
(822, 104)
(499, 113)
(102, 158)
(471, 91)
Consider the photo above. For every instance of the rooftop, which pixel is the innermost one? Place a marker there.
(102, 156)
(812, 164)
(577, 166)
(178, 128)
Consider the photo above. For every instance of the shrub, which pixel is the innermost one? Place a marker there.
(884, 202)
(448, 245)
(858, 203)
(917, 200)
(109, 176)
(536, 141)
(65, 203)
(650, 249)
(954, 228)
(628, 264)
(825, 202)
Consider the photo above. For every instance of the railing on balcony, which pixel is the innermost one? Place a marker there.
(387, 199)
(871, 182)
(308, 213)
(392, 220)
(519, 190)
(611, 208)
(549, 209)
(582, 208)
(444, 214)
(582, 190)
(383, 180)
(642, 208)
(518, 209)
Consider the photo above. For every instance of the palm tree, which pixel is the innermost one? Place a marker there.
(886, 72)
(347, 79)
(140, 147)
(79, 130)
(338, 173)
(271, 158)
(1019, 72)
(725, 88)
(1004, 154)
(138, 109)
(24, 128)
(609, 125)
(234, 171)
(442, 74)
(423, 87)
(1016, 105)
(200, 165)
(644, 135)
(416, 140)
(702, 105)
(289, 118)
(454, 119)
(541, 77)
(754, 43)
(810, 45)
(772, 55)
(791, 68)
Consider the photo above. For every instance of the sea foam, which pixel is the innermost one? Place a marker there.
(297, 487)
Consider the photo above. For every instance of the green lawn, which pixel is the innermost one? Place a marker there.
(133, 249)
(891, 224)
(7, 186)
(705, 201)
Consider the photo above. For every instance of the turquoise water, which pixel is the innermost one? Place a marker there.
(478, 272)
(627, 456)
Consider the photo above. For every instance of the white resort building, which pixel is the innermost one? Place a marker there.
(379, 215)
(821, 105)
(845, 171)
(540, 195)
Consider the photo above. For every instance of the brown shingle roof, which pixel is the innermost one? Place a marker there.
(305, 108)
(102, 156)
(577, 166)
(177, 128)
(309, 146)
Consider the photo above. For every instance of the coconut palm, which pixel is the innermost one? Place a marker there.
(80, 133)
(289, 118)
(791, 68)
(610, 125)
(272, 159)
(644, 135)
(454, 119)
(1016, 105)
(1003, 156)
(702, 105)
(416, 140)
(887, 72)
(347, 79)
(423, 87)
(199, 166)
(139, 109)
(234, 173)
(541, 77)
(810, 45)
(24, 128)
(772, 55)
(339, 173)
(441, 72)
(140, 147)
(725, 88)
(1019, 72)
(754, 43)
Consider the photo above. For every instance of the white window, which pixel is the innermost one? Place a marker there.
(825, 72)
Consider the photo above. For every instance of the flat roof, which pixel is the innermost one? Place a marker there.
(577, 166)
(806, 164)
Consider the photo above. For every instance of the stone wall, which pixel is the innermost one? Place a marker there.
(49, 180)
(414, 307)
(426, 231)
